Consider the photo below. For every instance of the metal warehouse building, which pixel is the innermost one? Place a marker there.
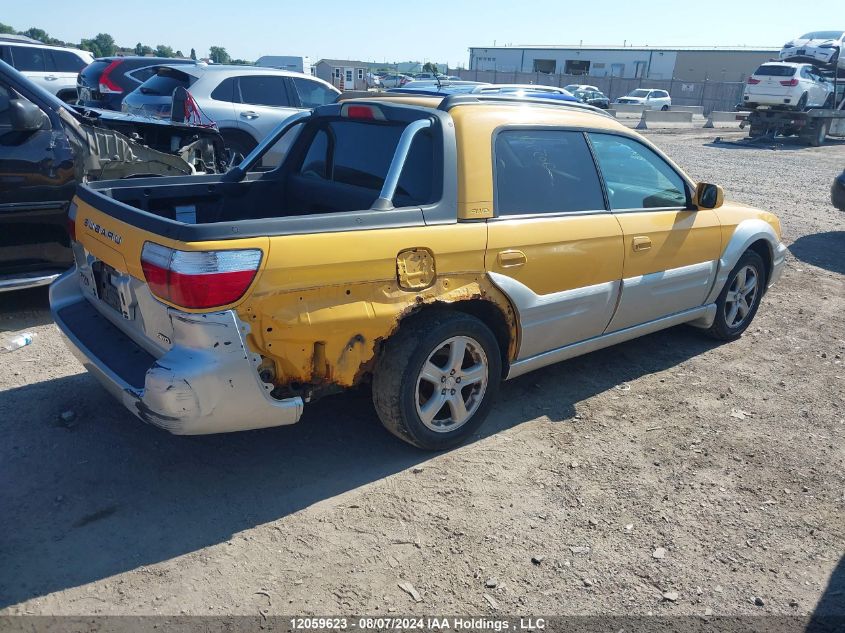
(687, 63)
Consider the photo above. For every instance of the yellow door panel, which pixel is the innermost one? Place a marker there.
(561, 273)
(556, 253)
(662, 240)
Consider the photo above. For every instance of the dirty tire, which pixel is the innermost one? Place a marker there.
(724, 327)
(398, 382)
(818, 134)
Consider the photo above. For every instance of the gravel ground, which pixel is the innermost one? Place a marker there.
(668, 475)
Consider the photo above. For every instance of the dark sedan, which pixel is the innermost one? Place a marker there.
(837, 192)
(593, 98)
(106, 80)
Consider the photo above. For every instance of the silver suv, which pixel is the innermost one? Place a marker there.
(246, 102)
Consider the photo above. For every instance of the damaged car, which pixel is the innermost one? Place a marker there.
(427, 246)
(48, 147)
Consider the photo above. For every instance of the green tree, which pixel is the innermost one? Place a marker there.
(164, 51)
(38, 34)
(179, 54)
(100, 46)
(143, 49)
(193, 54)
(430, 67)
(218, 55)
(5, 28)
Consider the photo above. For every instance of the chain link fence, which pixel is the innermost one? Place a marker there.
(711, 95)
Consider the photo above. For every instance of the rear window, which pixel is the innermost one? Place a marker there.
(357, 153)
(165, 82)
(775, 71)
(95, 69)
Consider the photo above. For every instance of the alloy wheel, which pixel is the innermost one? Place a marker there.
(741, 296)
(451, 384)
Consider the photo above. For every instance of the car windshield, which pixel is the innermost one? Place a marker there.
(822, 35)
(639, 93)
(775, 70)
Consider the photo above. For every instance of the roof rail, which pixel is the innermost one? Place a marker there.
(461, 99)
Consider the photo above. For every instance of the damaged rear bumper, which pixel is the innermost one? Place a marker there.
(206, 383)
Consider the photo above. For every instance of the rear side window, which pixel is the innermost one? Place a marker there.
(165, 82)
(311, 93)
(66, 62)
(775, 71)
(266, 91)
(357, 153)
(225, 91)
(636, 177)
(30, 59)
(545, 171)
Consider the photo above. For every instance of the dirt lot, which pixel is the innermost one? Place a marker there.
(666, 475)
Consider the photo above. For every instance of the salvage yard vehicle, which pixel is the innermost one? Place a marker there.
(819, 47)
(651, 99)
(107, 80)
(429, 246)
(789, 86)
(47, 147)
(53, 68)
(245, 102)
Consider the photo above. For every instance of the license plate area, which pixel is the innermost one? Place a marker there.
(105, 283)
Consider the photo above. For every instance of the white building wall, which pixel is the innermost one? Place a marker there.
(603, 63)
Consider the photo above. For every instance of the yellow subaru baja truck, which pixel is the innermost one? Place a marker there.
(431, 247)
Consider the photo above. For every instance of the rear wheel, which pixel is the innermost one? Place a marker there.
(802, 103)
(738, 302)
(828, 103)
(238, 142)
(664, 108)
(435, 380)
(817, 134)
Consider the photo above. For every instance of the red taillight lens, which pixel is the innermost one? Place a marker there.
(198, 279)
(71, 228)
(752, 81)
(106, 84)
(791, 83)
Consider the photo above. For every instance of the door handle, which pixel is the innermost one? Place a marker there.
(51, 78)
(641, 243)
(249, 114)
(510, 259)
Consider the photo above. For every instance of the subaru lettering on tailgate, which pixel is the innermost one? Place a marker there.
(114, 237)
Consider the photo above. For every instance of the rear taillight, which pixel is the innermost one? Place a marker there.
(71, 228)
(752, 81)
(108, 86)
(198, 279)
(791, 83)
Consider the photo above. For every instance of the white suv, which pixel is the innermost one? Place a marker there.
(651, 99)
(54, 68)
(788, 85)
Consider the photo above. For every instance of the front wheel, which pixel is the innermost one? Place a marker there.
(738, 302)
(435, 380)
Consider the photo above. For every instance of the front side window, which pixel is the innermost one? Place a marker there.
(635, 176)
(313, 94)
(545, 171)
(266, 91)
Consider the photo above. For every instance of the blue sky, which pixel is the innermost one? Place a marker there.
(429, 30)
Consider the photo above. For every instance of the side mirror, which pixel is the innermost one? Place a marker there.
(708, 196)
(25, 116)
